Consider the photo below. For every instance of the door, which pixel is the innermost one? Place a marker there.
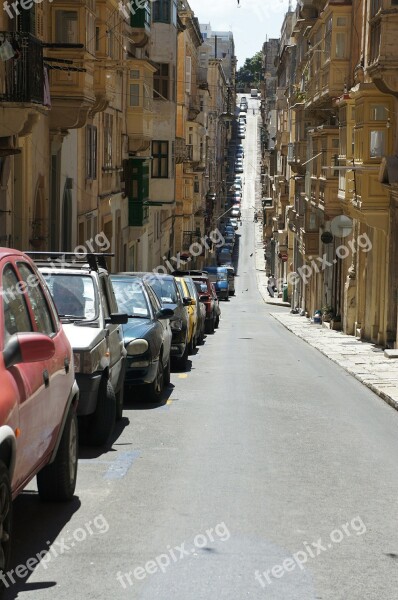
(115, 338)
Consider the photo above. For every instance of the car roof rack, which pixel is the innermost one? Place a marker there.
(193, 273)
(71, 260)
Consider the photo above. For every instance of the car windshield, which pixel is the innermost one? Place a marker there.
(131, 298)
(201, 287)
(74, 296)
(165, 290)
(190, 286)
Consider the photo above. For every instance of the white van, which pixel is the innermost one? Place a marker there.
(254, 93)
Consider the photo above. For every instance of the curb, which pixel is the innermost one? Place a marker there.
(388, 399)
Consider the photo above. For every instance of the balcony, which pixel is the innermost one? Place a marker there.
(383, 60)
(21, 84)
(201, 78)
(193, 108)
(140, 109)
(189, 238)
(180, 150)
(297, 156)
(309, 242)
(140, 24)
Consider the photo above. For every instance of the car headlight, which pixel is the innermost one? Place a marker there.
(176, 324)
(89, 361)
(137, 347)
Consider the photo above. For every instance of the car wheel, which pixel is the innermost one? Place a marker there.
(57, 481)
(181, 363)
(5, 520)
(216, 324)
(99, 425)
(120, 403)
(154, 390)
(166, 374)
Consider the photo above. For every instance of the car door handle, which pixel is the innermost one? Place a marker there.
(46, 378)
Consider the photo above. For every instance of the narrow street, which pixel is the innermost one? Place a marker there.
(263, 441)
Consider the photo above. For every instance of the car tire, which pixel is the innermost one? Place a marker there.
(181, 363)
(56, 482)
(166, 374)
(5, 521)
(154, 390)
(216, 324)
(120, 403)
(100, 424)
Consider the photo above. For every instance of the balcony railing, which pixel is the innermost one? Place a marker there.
(21, 75)
(189, 238)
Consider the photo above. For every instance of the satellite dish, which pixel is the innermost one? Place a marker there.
(341, 226)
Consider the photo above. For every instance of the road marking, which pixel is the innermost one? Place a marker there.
(169, 401)
(121, 465)
(182, 376)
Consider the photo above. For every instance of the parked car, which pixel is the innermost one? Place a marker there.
(239, 168)
(39, 394)
(200, 309)
(219, 276)
(224, 256)
(165, 287)
(243, 107)
(87, 307)
(203, 284)
(231, 279)
(190, 305)
(234, 223)
(241, 135)
(147, 335)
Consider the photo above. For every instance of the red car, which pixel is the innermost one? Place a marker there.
(39, 395)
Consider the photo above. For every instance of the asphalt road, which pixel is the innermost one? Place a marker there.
(264, 457)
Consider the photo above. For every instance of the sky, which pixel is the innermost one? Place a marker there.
(251, 24)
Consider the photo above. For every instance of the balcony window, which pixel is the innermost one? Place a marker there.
(377, 143)
(66, 27)
(162, 11)
(91, 152)
(160, 162)
(108, 135)
(341, 45)
(378, 112)
(375, 40)
(134, 94)
(328, 38)
(161, 82)
(141, 18)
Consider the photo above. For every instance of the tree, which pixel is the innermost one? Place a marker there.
(250, 74)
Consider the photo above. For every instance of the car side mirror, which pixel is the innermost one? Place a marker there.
(117, 319)
(27, 348)
(203, 298)
(188, 302)
(165, 313)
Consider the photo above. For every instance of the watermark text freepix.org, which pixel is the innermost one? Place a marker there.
(163, 561)
(55, 549)
(298, 559)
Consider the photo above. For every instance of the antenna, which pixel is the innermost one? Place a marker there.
(290, 9)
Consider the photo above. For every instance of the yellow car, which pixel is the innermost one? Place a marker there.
(190, 305)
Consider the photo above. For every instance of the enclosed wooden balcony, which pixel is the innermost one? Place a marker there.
(383, 55)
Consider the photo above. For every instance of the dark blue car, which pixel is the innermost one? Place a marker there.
(146, 336)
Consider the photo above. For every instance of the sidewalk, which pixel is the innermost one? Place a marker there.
(260, 266)
(363, 360)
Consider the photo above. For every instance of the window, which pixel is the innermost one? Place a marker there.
(66, 27)
(188, 74)
(91, 152)
(161, 11)
(341, 45)
(41, 312)
(377, 144)
(161, 81)
(378, 112)
(16, 315)
(160, 162)
(328, 38)
(134, 94)
(108, 134)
